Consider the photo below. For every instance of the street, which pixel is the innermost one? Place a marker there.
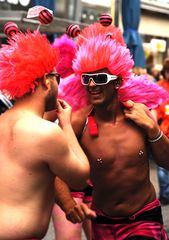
(165, 209)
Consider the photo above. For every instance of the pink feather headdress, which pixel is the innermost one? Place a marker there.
(67, 48)
(96, 29)
(101, 52)
(26, 57)
(100, 47)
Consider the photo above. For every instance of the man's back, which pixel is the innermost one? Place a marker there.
(26, 193)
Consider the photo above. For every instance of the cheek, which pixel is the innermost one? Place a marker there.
(110, 93)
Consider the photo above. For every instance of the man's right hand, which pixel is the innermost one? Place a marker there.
(79, 213)
(64, 111)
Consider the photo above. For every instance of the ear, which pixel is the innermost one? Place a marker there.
(118, 83)
(46, 81)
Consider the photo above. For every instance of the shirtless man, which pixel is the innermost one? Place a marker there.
(116, 139)
(33, 150)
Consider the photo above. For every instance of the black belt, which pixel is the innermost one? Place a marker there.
(153, 215)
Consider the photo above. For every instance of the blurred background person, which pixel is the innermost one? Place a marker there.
(142, 71)
(163, 120)
(155, 72)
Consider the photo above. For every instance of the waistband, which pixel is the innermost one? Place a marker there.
(150, 212)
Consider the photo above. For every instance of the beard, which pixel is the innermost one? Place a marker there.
(51, 99)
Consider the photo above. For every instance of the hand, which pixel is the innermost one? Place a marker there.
(64, 111)
(79, 213)
(141, 115)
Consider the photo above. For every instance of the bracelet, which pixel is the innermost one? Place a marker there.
(159, 136)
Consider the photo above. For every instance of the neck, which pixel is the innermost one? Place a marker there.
(112, 112)
(32, 103)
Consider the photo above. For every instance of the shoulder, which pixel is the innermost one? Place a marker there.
(79, 119)
(38, 131)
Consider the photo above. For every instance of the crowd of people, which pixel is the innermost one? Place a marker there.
(90, 125)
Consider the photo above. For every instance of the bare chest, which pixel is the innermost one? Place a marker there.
(120, 142)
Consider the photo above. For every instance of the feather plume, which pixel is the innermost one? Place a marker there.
(67, 48)
(101, 52)
(141, 89)
(96, 29)
(72, 91)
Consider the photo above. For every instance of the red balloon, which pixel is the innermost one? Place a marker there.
(105, 19)
(73, 30)
(11, 28)
(45, 17)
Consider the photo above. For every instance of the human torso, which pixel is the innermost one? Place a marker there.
(26, 184)
(119, 168)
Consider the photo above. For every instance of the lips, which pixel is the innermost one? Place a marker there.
(94, 91)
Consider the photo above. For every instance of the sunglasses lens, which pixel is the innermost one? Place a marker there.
(85, 79)
(101, 79)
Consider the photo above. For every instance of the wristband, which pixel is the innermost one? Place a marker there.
(159, 136)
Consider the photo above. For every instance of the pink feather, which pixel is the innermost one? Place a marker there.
(72, 91)
(141, 89)
(67, 48)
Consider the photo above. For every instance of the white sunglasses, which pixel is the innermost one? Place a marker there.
(97, 78)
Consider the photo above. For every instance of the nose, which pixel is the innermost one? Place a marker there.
(91, 83)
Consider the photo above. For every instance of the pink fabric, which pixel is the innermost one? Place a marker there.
(77, 194)
(87, 199)
(123, 231)
(85, 194)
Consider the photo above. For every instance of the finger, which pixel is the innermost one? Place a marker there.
(128, 104)
(72, 219)
(76, 214)
(88, 212)
(63, 103)
(59, 107)
(128, 113)
(80, 213)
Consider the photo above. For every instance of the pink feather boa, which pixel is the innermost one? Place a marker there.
(137, 88)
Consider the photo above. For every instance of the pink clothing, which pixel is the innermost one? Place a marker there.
(85, 194)
(146, 222)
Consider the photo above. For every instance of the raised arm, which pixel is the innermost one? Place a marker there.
(64, 162)
(67, 159)
(64, 117)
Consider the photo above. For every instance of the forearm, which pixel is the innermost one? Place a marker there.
(76, 153)
(74, 144)
(63, 195)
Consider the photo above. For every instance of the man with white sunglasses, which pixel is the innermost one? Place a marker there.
(116, 134)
